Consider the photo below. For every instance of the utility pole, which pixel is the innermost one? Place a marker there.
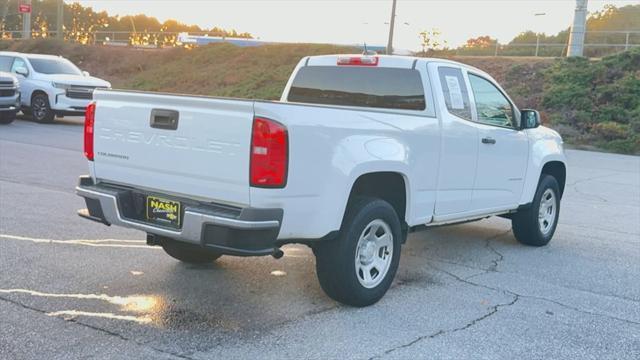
(391, 24)
(60, 23)
(576, 38)
(26, 22)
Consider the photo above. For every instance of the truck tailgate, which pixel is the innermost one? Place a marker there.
(203, 155)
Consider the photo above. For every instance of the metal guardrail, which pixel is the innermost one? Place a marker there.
(159, 39)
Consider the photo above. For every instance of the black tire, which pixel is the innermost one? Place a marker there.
(7, 117)
(41, 109)
(336, 259)
(189, 253)
(526, 225)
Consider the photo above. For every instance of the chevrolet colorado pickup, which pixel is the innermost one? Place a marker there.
(359, 151)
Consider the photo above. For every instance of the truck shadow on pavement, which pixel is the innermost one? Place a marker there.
(252, 295)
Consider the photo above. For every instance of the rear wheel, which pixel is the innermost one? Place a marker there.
(189, 253)
(358, 267)
(40, 109)
(536, 225)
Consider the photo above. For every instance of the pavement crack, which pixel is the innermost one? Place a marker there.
(590, 179)
(500, 256)
(97, 328)
(492, 311)
(589, 195)
(505, 291)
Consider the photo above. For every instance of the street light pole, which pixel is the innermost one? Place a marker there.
(60, 24)
(538, 34)
(26, 22)
(391, 24)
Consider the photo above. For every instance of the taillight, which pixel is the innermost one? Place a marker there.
(358, 60)
(89, 119)
(269, 153)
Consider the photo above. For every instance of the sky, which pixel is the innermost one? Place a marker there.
(358, 21)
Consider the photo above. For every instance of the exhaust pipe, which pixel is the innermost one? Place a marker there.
(277, 254)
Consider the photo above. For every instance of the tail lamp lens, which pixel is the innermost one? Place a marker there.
(269, 153)
(89, 120)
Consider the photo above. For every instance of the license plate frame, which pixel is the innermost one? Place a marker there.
(163, 211)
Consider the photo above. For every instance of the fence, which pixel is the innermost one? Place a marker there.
(151, 39)
(597, 43)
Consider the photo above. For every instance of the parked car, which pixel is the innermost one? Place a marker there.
(50, 85)
(359, 152)
(9, 97)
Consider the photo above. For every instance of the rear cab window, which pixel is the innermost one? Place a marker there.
(360, 86)
(456, 94)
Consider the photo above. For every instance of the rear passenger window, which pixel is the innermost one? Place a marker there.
(389, 88)
(456, 95)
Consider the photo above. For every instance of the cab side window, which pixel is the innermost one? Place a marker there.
(456, 95)
(492, 106)
(5, 63)
(17, 64)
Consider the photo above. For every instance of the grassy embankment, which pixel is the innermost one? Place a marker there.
(594, 104)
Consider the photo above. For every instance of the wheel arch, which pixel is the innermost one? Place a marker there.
(38, 92)
(558, 170)
(390, 186)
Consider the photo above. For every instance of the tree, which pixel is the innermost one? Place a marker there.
(481, 42)
(430, 40)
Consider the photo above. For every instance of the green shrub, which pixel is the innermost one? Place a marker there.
(599, 99)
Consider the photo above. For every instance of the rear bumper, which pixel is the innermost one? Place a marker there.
(233, 231)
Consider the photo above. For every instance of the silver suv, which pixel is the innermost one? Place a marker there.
(9, 97)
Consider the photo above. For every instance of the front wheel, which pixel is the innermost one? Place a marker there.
(188, 253)
(41, 110)
(536, 225)
(358, 267)
(7, 117)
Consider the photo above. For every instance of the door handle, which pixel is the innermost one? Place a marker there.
(488, 140)
(164, 119)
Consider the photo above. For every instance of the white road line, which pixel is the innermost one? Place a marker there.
(139, 244)
(133, 303)
(76, 313)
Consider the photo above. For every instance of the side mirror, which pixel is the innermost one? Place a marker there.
(22, 71)
(86, 73)
(529, 119)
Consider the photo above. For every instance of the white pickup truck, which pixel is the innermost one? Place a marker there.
(360, 151)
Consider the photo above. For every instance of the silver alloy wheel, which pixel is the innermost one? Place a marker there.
(373, 253)
(547, 211)
(39, 107)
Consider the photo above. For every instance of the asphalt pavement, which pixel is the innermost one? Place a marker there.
(70, 288)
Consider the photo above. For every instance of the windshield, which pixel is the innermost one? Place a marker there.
(54, 66)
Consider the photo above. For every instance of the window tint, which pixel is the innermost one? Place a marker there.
(54, 66)
(389, 88)
(492, 106)
(5, 63)
(456, 95)
(19, 63)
